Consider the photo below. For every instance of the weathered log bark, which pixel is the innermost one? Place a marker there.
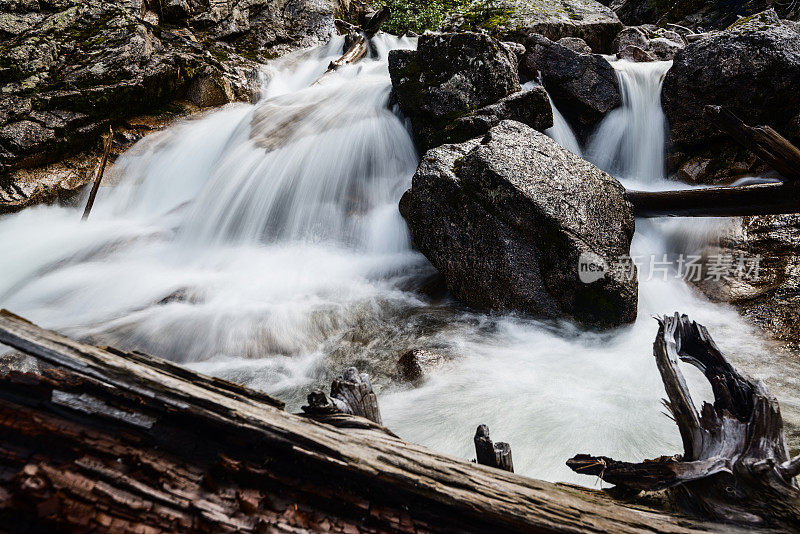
(770, 146)
(735, 465)
(760, 199)
(125, 442)
(99, 177)
(488, 453)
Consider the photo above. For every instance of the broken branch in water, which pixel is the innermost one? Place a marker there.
(99, 177)
(735, 464)
(770, 146)
(357, 42)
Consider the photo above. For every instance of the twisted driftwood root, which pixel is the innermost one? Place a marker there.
(735, 465)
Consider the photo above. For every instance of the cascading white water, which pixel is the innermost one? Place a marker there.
(560, 132)
(263, 244)
(629, 142)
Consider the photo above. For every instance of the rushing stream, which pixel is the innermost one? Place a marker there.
(263, 244)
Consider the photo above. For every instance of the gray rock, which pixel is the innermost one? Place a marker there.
(576, 44)
(752, 69)
(175, 10)
(583, 86)
(440, 86)
(210, 88)
(505, 219)
(629, 37)
(709, 15)
(634, 53)
(83, 65)
(593, 22)
(664, 49)
(531, 107)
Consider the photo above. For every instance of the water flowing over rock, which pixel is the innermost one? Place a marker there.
(507, 218)
(583, 86)
(751, 69)
(68, 69)
(457, 85)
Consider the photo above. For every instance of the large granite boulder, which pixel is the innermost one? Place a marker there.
(584, 87)
(515, 20)
(457, 85)
(752, 69)
(508, 219)
(68, 69)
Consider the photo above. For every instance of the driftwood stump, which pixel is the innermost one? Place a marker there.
(492, 454)
(735, 465)
(351, 394)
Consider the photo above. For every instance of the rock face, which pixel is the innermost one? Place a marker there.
(68, 69)
(770, 296)
(505, 219)
(593, 22)
(583, 86)
(752, 69)
(714, 14)
(645, 44)
(457, 85)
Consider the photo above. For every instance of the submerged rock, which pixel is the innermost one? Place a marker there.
(457, 85)
(508, 218)
(751, 68)
(583, 86)
(413, 364)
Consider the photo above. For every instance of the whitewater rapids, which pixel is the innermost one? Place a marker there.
(262, 243)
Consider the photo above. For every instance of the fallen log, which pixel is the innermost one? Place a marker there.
(357, 42)
(770, 146)
(760, 199)
(109, 440)
(735, 465)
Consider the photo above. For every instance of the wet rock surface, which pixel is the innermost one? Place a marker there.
(68, 69)
(583, 86)
(506, 218)
(457, 85)
(769, 297)
(753, 70)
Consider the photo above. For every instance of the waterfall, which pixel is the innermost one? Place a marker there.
(262, 244)
(560, 132)
(629, 141)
